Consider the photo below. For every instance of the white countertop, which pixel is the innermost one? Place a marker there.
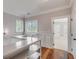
(15, 48)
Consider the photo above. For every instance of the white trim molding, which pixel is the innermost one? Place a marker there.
(51, 10)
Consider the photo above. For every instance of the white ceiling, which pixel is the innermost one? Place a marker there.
(24, 7)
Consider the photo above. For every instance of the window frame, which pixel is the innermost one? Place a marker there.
(31, 22)
(22, 26)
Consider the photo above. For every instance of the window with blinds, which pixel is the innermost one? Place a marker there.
(19, 25)
(31, 26)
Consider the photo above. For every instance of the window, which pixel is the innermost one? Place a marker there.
(31, 26)
(19, 25)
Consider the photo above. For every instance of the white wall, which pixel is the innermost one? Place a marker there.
(9, 23)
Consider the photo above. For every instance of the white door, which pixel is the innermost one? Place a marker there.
(60, 33)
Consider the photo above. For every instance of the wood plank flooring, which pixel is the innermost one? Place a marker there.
(48, 53)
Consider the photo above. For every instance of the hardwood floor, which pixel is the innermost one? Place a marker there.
(47, 53)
